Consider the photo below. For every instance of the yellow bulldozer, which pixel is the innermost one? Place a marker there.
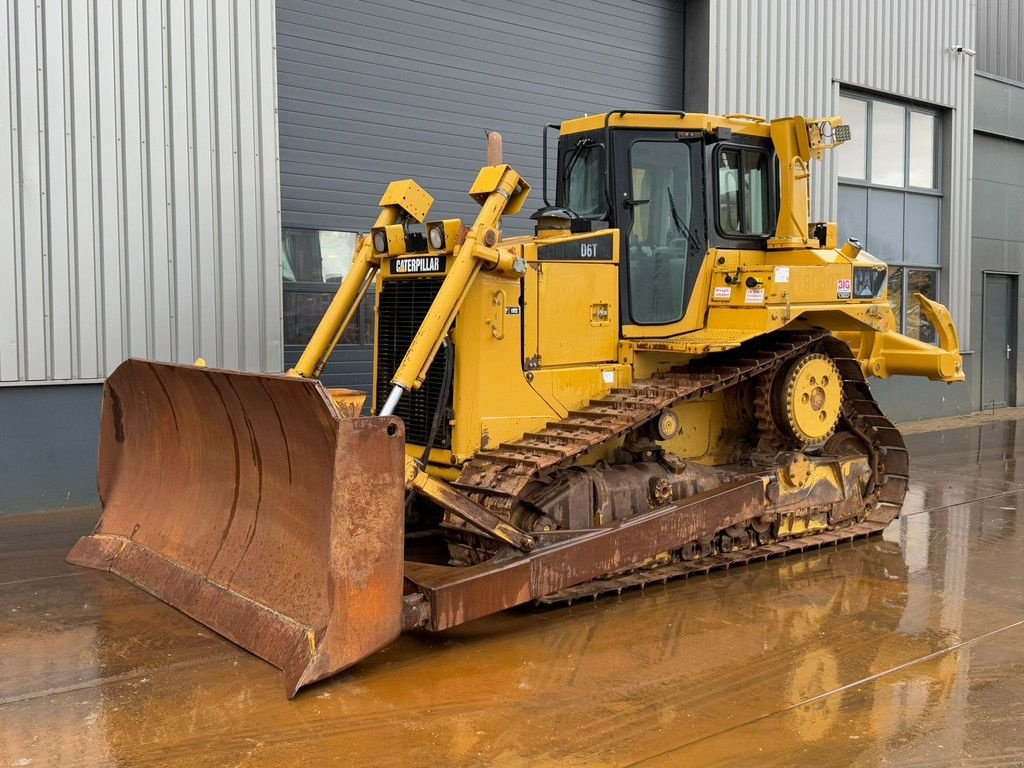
(667, 377)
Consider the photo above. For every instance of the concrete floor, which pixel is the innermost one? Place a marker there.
(906, 649)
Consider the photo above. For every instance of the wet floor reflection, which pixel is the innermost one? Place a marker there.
(836, 657)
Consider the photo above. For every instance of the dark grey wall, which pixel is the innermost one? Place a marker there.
(696, 55)
(905, 398)
(370, 92)
(48, 439)
(998, 227)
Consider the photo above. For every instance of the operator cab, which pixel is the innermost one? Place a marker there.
(672, 193)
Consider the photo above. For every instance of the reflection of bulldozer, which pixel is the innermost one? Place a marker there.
(610, 681)
(642, 385)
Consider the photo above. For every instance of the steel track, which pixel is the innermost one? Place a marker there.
(682, 570)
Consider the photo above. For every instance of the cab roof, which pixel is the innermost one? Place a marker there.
(750, 125)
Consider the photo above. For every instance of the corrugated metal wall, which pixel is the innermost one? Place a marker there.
(1000, 27)
(139, 209)
(791, 56)
(370, 92)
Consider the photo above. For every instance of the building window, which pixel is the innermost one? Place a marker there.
(905, 282)
(894, 145)
(313, 263)
(890, 197)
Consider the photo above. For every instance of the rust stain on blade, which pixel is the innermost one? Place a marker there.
(292, 549)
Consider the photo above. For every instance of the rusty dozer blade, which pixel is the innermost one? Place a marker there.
(249, 503)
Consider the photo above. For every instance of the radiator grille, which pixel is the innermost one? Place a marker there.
(403, 305)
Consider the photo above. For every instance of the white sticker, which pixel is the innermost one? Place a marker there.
(608, 376)
(844, 288)
(755, 296)
(723, 293)
(782, 274)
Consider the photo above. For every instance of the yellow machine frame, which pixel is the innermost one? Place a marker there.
(518, 371)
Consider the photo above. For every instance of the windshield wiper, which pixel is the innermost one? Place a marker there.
(691, 240)
(575, 154)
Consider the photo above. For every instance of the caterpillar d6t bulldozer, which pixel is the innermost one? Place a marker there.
(668, 377)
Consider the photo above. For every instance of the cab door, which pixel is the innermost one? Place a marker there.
(659, 205)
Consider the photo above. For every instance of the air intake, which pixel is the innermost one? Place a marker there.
(402, 306)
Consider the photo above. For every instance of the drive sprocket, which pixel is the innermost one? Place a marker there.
(801, 402)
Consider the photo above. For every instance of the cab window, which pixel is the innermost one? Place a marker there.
(743, 193)
(585, 181)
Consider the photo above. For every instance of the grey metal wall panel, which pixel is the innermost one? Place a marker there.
(139, 201)
(1000, 26)
(885, 224)
(921, 228)
(48, 447)
(998, 107)
(853, 213)
(369, 92)
(781, 57)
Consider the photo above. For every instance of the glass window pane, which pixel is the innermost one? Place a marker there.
(922, 150)
(853, 214)
(743, 193)
(921, 229)
(853, 154)
(729, 190)
(923, 281)
(336, 252)
(888, 143)
(303, 307)
(895, 289)
(312, 263)
(316, 256)
(300, 256)
(661, 237)
(754, 172)
(586, 183)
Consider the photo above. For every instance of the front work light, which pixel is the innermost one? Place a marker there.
(389, 240)
(443, 235)
(436, 237)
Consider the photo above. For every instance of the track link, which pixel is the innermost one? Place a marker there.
(682, 570)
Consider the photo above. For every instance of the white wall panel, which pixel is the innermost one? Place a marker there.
(139, 202)
(781, 57)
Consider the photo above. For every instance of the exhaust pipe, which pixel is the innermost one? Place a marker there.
(494, 148)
